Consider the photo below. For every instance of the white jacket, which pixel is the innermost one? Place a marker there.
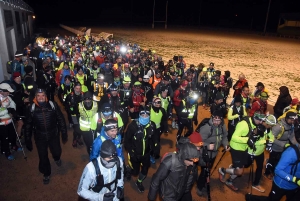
(88, 179)
(4, 115)
(6, 102)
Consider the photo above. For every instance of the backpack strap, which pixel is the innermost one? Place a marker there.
(295, 164)
(52, 104)
(246, 119)
(281, 132)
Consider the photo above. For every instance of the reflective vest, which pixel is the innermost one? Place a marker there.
(101, 120)
(165, 102)
(87, 117)
(156, 117)
(65, 93)
(99, 90)
(190, 110)
(154, 81)
(82, 79)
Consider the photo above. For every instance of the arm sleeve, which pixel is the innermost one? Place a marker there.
(276, 130)
(96, 148)
(255, 107)
(60, 120)
(121, 180)
(28, 125)
(240, 129)
(288, 157)
(293, 139)
(230, 116)
(84, 184)
(128, 138)
(164, 120)
(225, 133)
(161, 173)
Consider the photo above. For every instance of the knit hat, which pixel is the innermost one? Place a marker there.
(219, 96)
(291, 115)
(260, 84)
(16, 74)
(238, 99)
(196, 139)
(270, 120)
(28, 69)
(217, 114)
(264, 94)
(295, 101)
(88, 95)
(108, 149)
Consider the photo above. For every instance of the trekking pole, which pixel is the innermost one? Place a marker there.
(207, 170)
(224, 152)
(25, 157)
(251, 170)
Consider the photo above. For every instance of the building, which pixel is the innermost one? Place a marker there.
(16, 30)
(289, 24)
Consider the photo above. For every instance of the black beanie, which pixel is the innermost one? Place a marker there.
(108, 149)
(28, 69)
(238, 99)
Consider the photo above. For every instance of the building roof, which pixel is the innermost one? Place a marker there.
(290, 16)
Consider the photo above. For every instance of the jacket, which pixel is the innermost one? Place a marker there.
(234, 114)
(88, 180)
(283, 177)
(45, 121)
(139, 140)
(284, 100)
(260, 144)
(160, 85)
(216, 135)
(287, 136)
(169, 179)
(100, 139)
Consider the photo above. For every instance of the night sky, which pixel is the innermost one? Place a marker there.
(243, 14)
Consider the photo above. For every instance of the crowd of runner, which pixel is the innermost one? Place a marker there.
(118, 95)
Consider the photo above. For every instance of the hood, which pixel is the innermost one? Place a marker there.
(284, 91)
(188, 151)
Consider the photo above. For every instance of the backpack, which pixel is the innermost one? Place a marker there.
(282, 131)
(99, 177)
(204, 122)
(173, 159)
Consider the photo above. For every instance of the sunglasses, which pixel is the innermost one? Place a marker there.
(157, 102)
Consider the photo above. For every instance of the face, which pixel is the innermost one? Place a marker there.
(157, 103)
(290, 121)
(260, 88)
(114, 93)
(67, 81)
(189, 162)
(164, 94)
(258, 121)
(241, 77)
(4, 94)
(166, 82)
(80, 72)
(77, 89)
(112, 133)
(66, 67)
(238, 104)
(219, 101)
(126, 84)
(145, 80)
(216, 121)
(246, 91)
(18, 80)
(41, 97)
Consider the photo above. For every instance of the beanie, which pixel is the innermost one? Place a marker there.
(238, 99)
(16, 74)
(196, 139)
(28, 69)
(108, 149)
(219, 96)
(295, 101)
(291, 115)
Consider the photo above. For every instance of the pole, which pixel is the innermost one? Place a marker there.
(267, 17)
(166, 16)
(200, 12)
(153, 14)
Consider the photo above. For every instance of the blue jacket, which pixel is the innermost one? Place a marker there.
(100, 139)
(49, 53)
(283, 178)
(16, 66)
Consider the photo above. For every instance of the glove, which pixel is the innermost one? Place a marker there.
(29, 145)
(120, 192)
(64, 138)
(269, 145)
(296, 180)
(251, 142)
(108, 196)
(286, 145)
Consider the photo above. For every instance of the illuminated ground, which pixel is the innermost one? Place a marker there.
(274, 59)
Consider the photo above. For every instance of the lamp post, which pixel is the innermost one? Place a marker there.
(153, 14)
(267, 17)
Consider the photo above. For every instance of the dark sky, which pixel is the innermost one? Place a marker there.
(231, 13)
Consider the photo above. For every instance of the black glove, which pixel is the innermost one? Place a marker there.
(251, 142)
(28, 143)
(64, 138)
(120, 192)
(269, 145)
(108, 197)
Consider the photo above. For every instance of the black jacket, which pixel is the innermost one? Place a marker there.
(284, 100)
(171, 179)
(45, 121)
(71, 103)
(137, 141)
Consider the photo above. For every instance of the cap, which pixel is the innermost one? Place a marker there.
(18, 53)
(295, 101)
(156, 98)
(16, 74)
(196, 139)
(28, 69)
(146, 77)
(127, 80)
(108, 149)
(260, 84)
(137, 83)
(110, 124)
(88, 95)
(100, 76)
(113, 87)
(270, 120)
(167, 77)
(264, 95)
(212, 64)
(164, 89)
(6, 88)
(219, 96)
(259, 116)
(291, 115)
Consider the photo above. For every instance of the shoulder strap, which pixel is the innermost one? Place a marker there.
(281, 132)
(96, 165)
(246, 119)
(52, 104)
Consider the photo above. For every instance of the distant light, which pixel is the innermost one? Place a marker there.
(236, 15)
(33, 16)
(123, 49)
